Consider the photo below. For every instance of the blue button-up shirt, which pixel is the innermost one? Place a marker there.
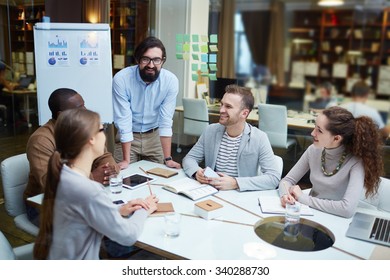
(140, 107)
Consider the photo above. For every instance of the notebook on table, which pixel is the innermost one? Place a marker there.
(163, 172)
(370, 228)
(272, 205)
(190, 188)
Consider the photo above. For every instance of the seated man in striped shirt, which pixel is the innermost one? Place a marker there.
(234, 149)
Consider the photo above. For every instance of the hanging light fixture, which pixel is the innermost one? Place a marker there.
(330, 3)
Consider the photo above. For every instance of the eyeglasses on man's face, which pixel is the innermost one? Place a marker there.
(146, 60)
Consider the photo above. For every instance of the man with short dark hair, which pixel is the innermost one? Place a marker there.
(144, 97)
(41, 145)
(234, 149)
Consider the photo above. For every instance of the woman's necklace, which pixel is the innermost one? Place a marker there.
(341, 161)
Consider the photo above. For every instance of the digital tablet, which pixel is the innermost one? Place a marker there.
(136, 180)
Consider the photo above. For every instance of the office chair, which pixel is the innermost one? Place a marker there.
(279, 164)
(196, 116)
(380, 201)
(24, 252)
(14, 175)
(273, 121)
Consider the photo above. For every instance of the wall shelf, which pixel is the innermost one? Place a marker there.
(359, 39)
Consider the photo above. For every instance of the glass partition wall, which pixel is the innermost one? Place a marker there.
(17, 47)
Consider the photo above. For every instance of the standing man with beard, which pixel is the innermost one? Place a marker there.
(233, 148)
(144, 98)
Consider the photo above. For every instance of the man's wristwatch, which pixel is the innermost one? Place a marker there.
(167, 159)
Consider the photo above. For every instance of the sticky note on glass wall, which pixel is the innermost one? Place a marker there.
(205, 38)
(186, 47)
(179, 38)
(212, 58)
(186, 56)
(179, 55)
(179, 47)
(204, 49)
(204, 57)
(213, 76)
(194, 67)
(213, 48)
(195, 56)
(204, 68)
(195, 47)
(187, 38)
(195, 77)
(213, 67)
(195, 38)
(214, 38)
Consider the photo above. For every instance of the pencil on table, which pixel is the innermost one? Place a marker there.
(143, 170)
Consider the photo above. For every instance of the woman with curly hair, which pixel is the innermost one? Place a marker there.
(344, 158)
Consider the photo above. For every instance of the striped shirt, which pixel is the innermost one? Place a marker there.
(227, 155)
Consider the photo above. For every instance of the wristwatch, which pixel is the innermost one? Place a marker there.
(167, 159)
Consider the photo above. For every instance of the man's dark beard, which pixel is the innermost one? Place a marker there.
(147, 78)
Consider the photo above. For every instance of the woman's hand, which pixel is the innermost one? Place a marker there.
(149, 204)
(295, 191)
(287, 199)
(130, 207)
(151, 201)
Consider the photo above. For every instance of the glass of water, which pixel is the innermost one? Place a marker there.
(116, 183)
(172, 224)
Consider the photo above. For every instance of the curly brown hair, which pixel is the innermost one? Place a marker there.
(361, 137)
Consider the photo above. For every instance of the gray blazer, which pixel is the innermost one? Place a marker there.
(254, 154)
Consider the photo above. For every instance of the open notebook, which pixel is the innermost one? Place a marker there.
(190, 188)
(272, 205)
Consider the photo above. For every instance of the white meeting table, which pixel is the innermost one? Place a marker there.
(231, 236)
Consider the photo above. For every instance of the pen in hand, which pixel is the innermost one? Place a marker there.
(288, 197)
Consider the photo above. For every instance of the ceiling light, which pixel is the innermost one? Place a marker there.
(330, 3)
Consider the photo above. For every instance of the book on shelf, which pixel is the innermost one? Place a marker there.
(190, 188)
(358, 33)
(272, 205)
(325, 46)
(375, 47)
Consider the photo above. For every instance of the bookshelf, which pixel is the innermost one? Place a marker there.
(341, 46)
(22, 21)
(129, 22)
